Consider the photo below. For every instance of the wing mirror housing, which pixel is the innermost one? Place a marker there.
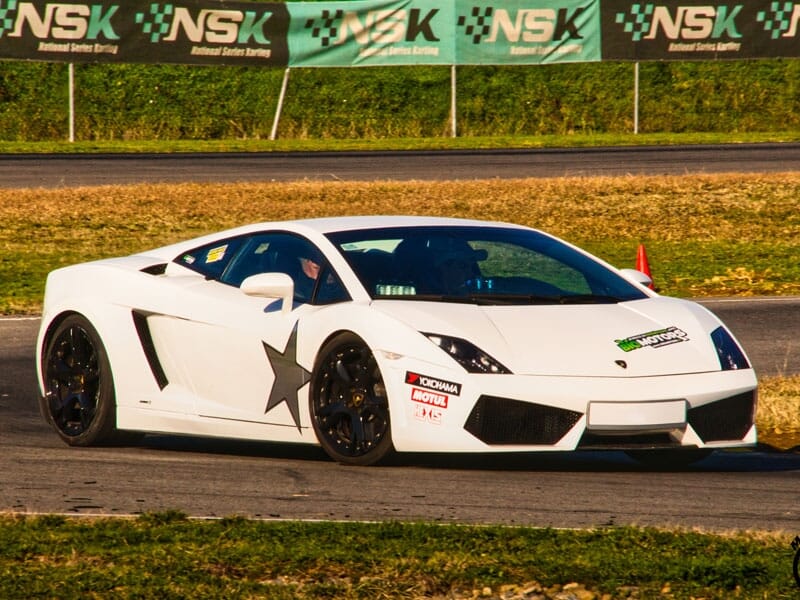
(271, 285)
(637, 276)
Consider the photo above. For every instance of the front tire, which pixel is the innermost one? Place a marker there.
(79, 400)
(348, 403)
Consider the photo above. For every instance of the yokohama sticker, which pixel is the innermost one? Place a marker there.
(428, 397)
(431, 383)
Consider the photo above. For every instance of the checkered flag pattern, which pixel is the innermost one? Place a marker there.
(639, 22)
(779, 20)
(480, 23)
(329, 29)
(6, 18)
(158, 25)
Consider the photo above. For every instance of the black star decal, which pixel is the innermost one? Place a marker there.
(289, 377)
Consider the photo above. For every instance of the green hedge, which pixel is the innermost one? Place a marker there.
(169, 102)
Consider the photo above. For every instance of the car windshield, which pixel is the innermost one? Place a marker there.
(481, 265)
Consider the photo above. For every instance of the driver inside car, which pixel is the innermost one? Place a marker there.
(455, 265)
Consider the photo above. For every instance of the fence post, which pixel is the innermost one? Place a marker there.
(454, 131)
(71, 85)
(636, 98)
(274, 133)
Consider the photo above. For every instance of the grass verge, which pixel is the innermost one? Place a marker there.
(165, 555)
(576, 140)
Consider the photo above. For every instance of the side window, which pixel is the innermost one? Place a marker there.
(314, 280)
(257, 255)
(212, 259)
(330, 289)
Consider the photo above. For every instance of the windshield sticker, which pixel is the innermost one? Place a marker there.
(216, 254)
(386, 289)
(653, 339)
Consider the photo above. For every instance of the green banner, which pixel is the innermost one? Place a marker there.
(395, 32)
(401, 32)
(370, 33)
(527, 31)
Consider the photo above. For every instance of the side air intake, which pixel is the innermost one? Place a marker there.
(727, 419)
(502, 421)
(146, 340)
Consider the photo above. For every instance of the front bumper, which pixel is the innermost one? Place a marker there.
(504, 413)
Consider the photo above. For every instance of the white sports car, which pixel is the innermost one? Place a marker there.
(369, 335)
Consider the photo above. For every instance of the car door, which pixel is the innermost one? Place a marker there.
(235, 353)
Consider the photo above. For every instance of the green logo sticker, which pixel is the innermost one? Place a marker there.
(653, 339)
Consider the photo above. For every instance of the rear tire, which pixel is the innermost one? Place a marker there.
(348, 404)
(79, 400)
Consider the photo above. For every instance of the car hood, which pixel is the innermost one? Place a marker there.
(651, 337)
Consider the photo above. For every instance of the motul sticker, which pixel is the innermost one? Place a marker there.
(431, 383)
(427, 397)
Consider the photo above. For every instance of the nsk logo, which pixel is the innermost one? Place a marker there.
(214, 26)
(377, 26)
(646, 21)
(530, 25)
(426, 397)
(91, 21)
(432, 383)
(59, 21)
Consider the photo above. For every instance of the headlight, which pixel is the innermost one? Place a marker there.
(730, 355)
(468, 355)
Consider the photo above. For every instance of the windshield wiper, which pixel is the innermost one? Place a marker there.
(460, 299)
(542, 299)
(507, 299)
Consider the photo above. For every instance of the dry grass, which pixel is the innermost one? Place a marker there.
(704, 208)
(778, 417)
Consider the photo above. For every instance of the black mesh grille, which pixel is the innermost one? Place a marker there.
(728, 419)
(497, 421)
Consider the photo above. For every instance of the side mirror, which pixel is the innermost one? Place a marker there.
(271, 285)
(638, 277)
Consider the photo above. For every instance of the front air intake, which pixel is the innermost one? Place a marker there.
(502, 421)
(727, 419)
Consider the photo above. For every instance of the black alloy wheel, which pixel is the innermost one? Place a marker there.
(79, 397)
(348, 403)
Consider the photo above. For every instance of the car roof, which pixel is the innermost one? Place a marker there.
(316, 227)
(347, 223)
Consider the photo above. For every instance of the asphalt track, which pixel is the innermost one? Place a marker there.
(729, 490)
(77, 170)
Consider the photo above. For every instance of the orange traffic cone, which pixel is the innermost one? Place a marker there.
(642, 265)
